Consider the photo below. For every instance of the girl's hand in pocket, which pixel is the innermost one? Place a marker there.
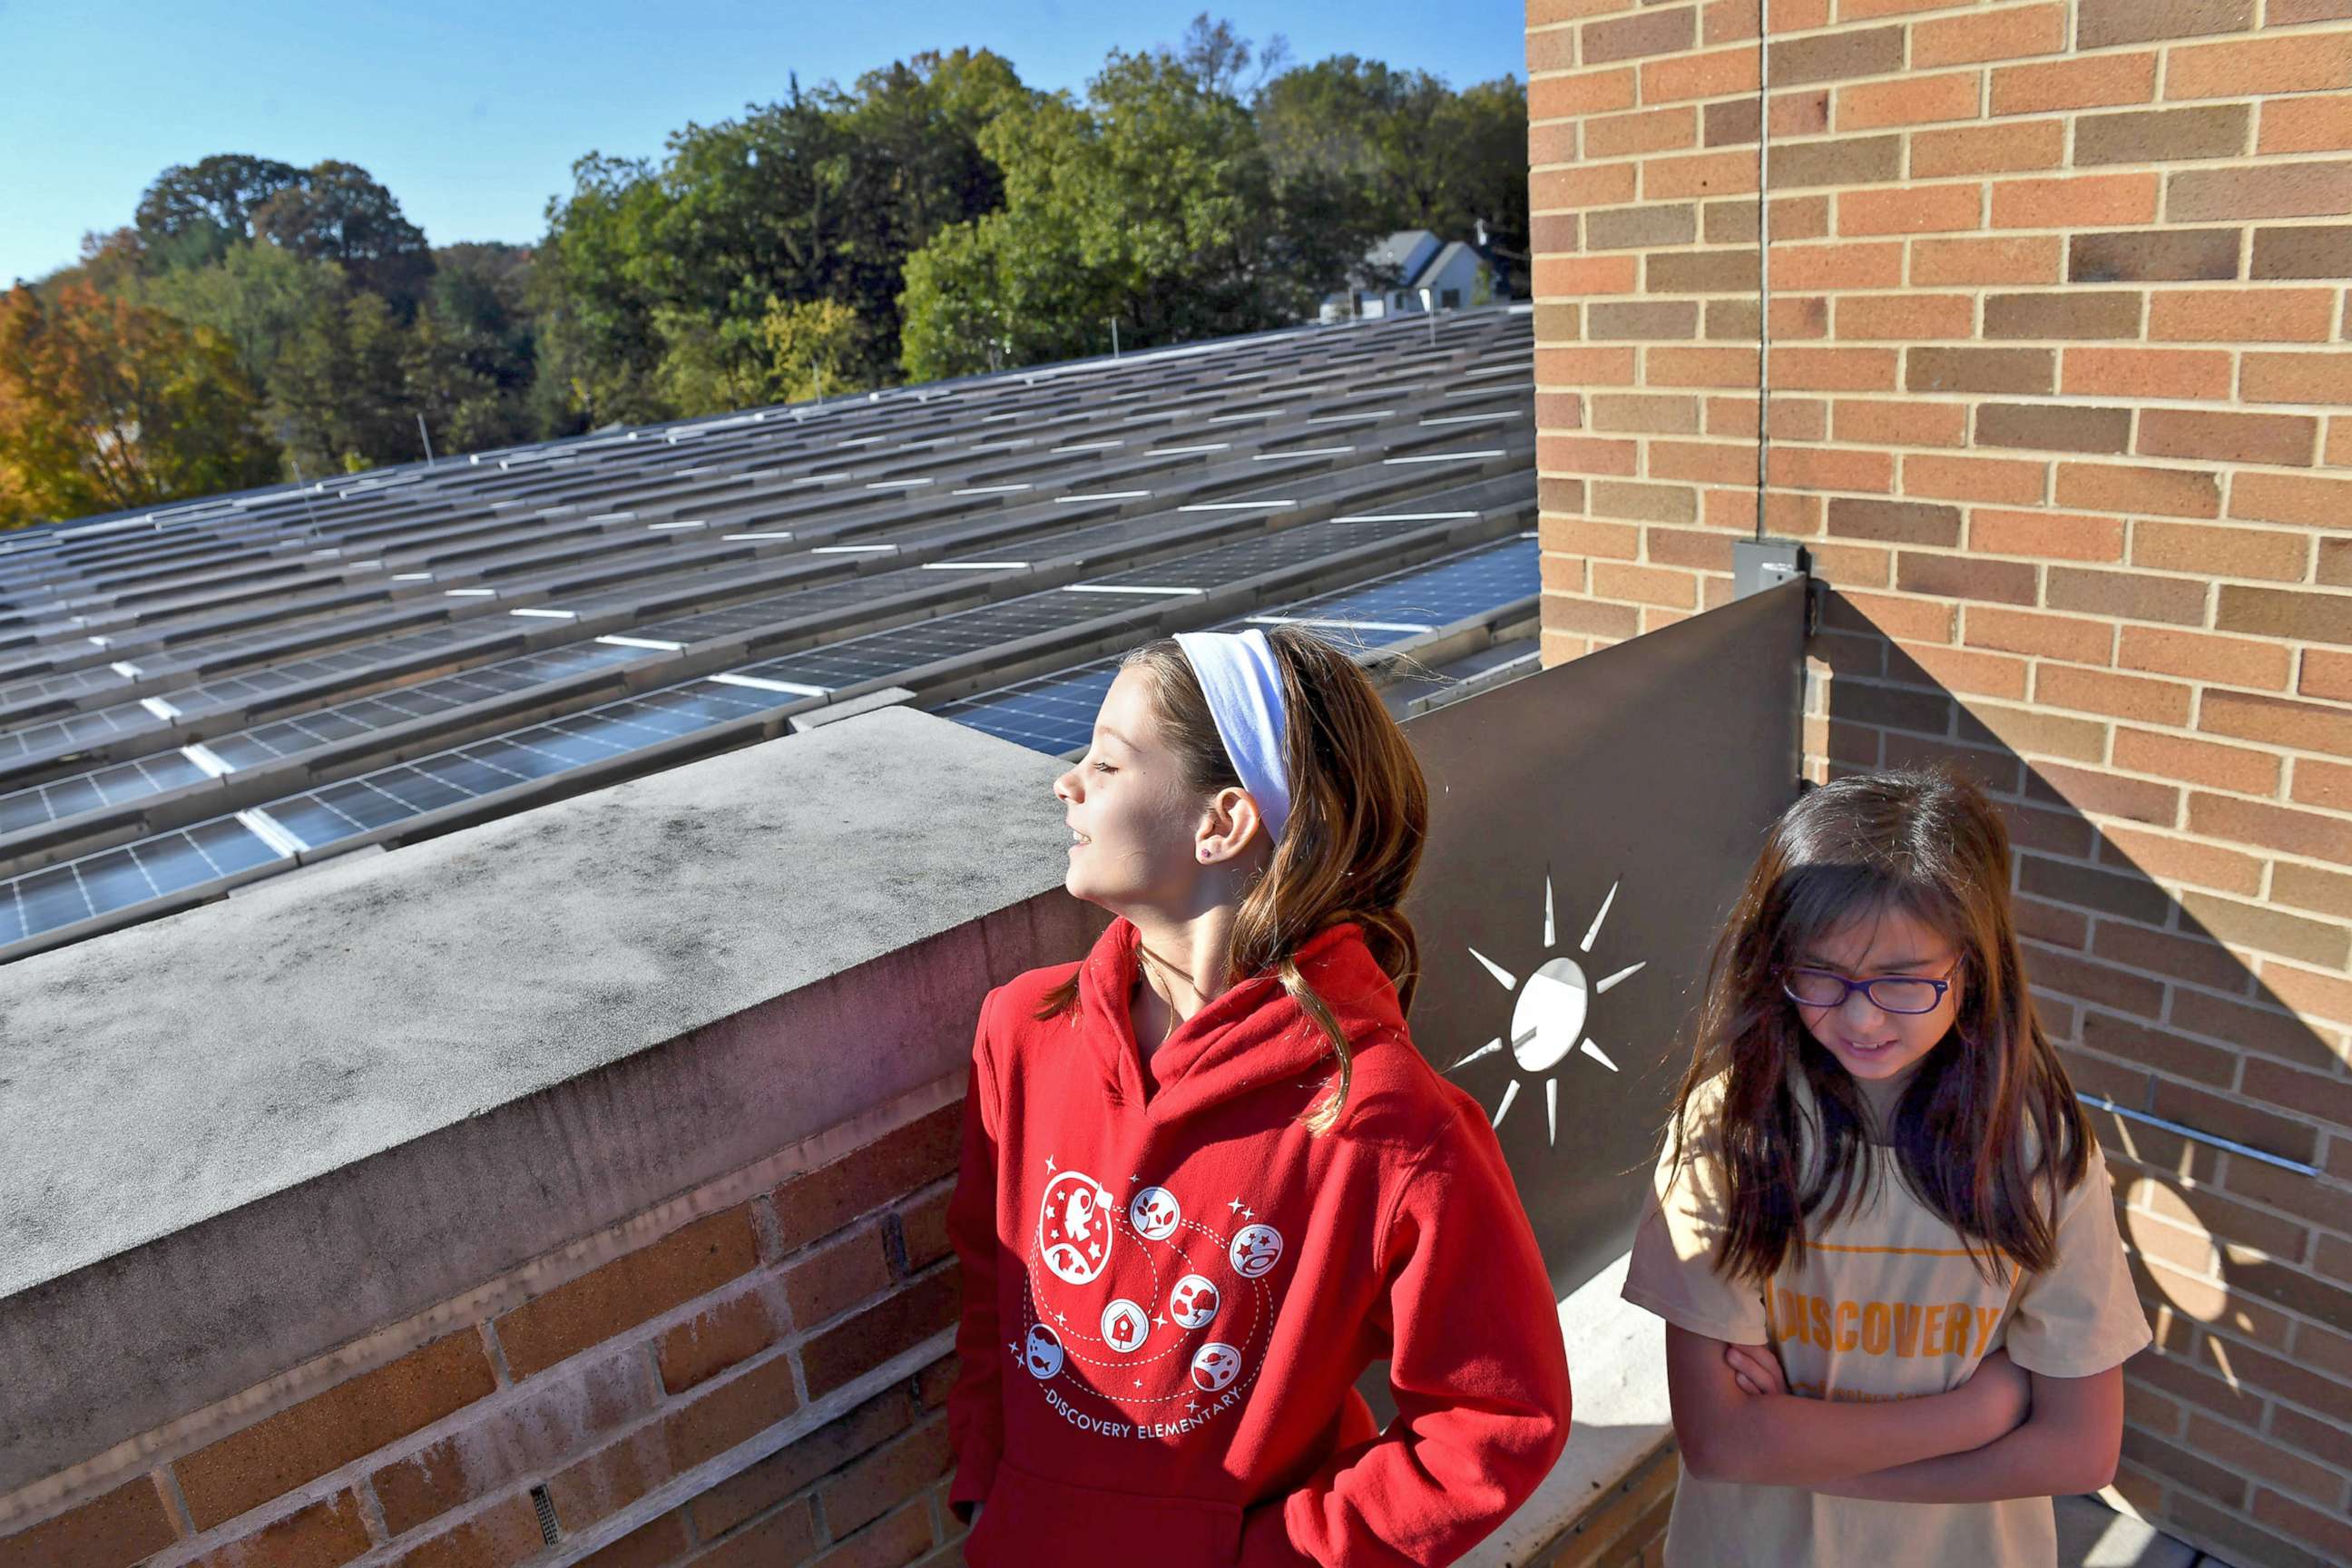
(1756, 1369)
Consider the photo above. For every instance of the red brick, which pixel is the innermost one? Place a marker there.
(1714, 74)
(2200, 656)
(788, 1535)
(2281, 555)
(654, 1545)
(2278, 721)
(716, 1420)
(726, 1334)
(2081, 201)
(865, 1339)
(557, 1418)
(2288, 828)
(2168, 492)
(2042, 636)
(1837, 266)
(1593, 92)
(1998, 480)
(1597, 185)
(2196, 762)
(2242, 315)
(2322, 378)
(1799, 467)
(1583, 455)
(2185, 860)
(2327, 784)
(2279, 438)
(1586, 367)
(1699, 175)
(1907, 423)
(2327, 675)
(690, 1262)
(1905, 318)
(1876, 51)
(2011, 33)
(1912, 620)
(2066, 536)
(2091, 82)
(2306, 125)
(1835, 370)
(2063, 313)
(2117, 696)
(2260, 67)
(871, 1487)
(1909, 100)
(319, 1536)
(2155, 256)
(2291, 188)
(2285, 613)
(2025, 259)
(1558, 277)
(837, 1276)
(280, 1452)
(2053, 427)
(2146, 372)
(825, 1200)
(495, 1538)
(800, 1463)
(1989, 149)
(2127, 596)
(899, 1539)
(1702, 367)
(1644, 585)
(1644, 32)
(1911, 209)
(1648, 131)
(1959, 577)
(122, 1526)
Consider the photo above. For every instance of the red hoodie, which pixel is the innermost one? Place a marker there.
(1170, 1287)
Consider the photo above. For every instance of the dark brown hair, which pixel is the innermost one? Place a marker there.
(1358, 809)
(1987, 1120)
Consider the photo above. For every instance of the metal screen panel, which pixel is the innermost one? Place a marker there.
(1589, 829)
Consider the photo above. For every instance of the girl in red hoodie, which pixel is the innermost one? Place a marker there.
(1207, 1179)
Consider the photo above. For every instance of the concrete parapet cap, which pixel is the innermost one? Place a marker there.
(269, 1142)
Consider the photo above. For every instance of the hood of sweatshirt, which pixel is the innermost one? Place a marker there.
(1248, 1036)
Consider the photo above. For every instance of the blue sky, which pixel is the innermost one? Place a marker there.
(472, 113)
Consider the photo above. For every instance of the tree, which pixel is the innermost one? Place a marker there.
(469, 357)
(194, 213)
(340, 396)
(1400, 147)
(258, 296)
(1153, 204)
(105, 405)
(338, 212)
(815, 348)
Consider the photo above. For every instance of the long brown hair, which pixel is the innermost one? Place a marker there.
(1358, 809)
(1988, 1118)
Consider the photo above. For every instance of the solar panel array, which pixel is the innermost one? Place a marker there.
(202, 695)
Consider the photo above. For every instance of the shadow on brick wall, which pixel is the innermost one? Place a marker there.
(2228, 1437)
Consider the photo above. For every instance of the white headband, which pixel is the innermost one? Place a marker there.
(1243, 681)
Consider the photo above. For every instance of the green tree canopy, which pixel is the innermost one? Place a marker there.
(1154, 204)
(194, 212)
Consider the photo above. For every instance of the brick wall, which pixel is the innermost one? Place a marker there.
(2045, 358)
(801, 1307)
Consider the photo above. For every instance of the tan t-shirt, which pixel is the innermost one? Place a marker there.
(1887, 1304)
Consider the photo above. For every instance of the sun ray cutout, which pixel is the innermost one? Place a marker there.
(1549, 1017)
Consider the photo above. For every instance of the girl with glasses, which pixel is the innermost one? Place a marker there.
(1880, 1235)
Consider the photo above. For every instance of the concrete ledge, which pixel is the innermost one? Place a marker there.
(250, 1133)
(1617, 1370)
